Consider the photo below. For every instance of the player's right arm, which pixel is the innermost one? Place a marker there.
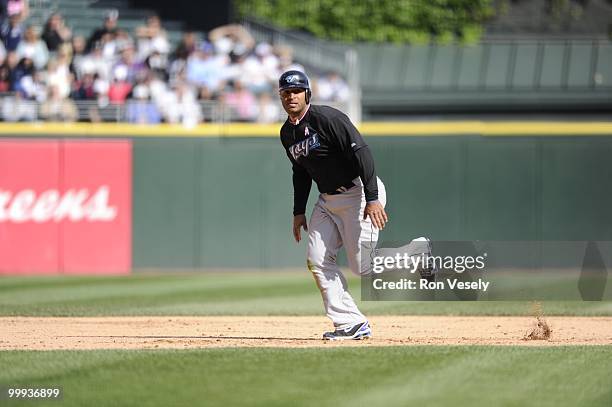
(302, 183)
(353, 146)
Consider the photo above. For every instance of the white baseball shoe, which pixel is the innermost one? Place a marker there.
(356, 332)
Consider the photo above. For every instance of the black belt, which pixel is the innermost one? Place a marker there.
(343, 188)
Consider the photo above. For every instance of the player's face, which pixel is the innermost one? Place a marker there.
(294, 101)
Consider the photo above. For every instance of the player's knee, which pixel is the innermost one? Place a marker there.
(320, 261)
(312, 265)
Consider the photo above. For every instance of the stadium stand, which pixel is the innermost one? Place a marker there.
(103, 61)
(531, 59)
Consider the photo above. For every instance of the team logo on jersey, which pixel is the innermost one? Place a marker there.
(303, 148)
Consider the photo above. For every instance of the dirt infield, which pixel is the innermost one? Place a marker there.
(33, 333)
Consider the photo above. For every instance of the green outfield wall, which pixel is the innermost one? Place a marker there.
(212, 202)
(222, 196)
(227, 202)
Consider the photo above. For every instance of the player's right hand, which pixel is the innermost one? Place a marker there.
(376, 212)
(299, 221)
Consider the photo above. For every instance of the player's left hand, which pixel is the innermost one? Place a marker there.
(377, 214)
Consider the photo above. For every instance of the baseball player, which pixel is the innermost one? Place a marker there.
(323, 145)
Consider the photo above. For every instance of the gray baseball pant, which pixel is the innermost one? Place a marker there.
(336, 221)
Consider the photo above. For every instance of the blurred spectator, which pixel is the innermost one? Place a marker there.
(33, 47)
(119, 88)
(29, 89)
(11, 63)
(268, 109)
(5, 78)
(95, 63)
(90, 88)
(140, 109)
(205, 95)
(158, 63)
(84, 89)
(235, 69)
(122, 41)
(152, 37)
(187, 45)
(135, 70)
(178, 66)
(261, 69)
(332, 88)
(204, 69)
(114, 44)
(268, 58)
(64, 52)
(158, 90)
(286, 63)
(181, 106)
(58, 76)
(32, 87)
(242, 103)
(58, 107)
(11, 32)
(78, 53)
(55, 32)
(101, 87)
(108, 46)
(20, 68)
(231, 39)
(112, 67)
(108, 28)
(18, 7)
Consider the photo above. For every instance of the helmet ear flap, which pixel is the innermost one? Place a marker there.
(308, 95)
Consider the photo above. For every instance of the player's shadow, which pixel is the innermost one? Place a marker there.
(593, 275)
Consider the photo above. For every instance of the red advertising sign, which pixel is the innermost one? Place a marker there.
(65, 206)
(27, 170)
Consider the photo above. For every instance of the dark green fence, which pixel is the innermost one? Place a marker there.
(206, 202)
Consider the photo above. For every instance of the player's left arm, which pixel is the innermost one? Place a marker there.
(353, 145)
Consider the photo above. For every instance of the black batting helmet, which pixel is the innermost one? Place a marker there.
(295, 79)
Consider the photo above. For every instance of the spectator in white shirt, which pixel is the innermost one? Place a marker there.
(33, 47)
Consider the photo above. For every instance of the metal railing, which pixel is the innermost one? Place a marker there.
(17, 109)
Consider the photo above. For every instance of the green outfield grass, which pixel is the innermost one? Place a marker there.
(231, 293)
(334, 376)
(393, 376)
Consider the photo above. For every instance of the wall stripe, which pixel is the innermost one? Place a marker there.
(454, 128)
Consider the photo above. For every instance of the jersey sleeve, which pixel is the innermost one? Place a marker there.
(302, 182)
(354, 147)
(367, 173)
